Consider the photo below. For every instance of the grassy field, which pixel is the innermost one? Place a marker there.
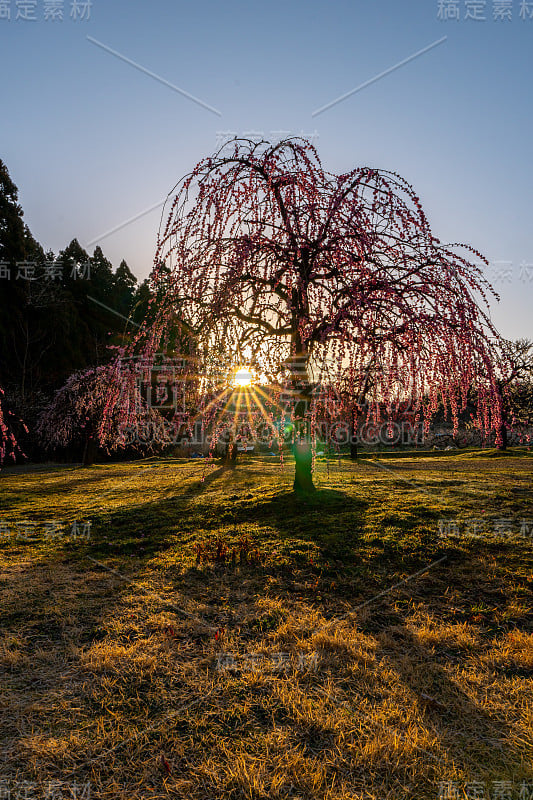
(210, 636)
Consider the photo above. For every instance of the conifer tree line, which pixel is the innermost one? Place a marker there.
(53, 320)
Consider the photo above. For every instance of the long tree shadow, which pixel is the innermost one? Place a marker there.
(51, 605)
(475, 739)
(329, 519)
(333, 520)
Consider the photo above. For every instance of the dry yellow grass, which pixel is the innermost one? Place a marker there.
(268, 679)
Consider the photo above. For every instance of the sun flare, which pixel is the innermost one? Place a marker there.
(242, 378)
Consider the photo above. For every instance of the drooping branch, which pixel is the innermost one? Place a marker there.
(264, 252)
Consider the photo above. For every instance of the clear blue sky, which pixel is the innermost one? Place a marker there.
(91, 141)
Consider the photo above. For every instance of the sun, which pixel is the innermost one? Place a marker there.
(242, 378)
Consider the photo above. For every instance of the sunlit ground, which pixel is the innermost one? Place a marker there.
(241, 662)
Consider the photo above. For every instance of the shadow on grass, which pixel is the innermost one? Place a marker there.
(331, 519)
(473, 738)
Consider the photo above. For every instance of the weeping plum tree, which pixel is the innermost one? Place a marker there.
(308, 277)
(9, 446)
(75, 414)
(516, 388)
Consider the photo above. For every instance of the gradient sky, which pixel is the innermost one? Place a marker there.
(91, 141)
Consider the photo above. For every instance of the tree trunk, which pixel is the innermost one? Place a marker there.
(353, 439)
(361, 403)
(90, 452)
(230, 456)
(299, 376)
(503, 426)
(303, 476)
(503, 431)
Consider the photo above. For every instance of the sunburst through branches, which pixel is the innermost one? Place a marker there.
(333, 288)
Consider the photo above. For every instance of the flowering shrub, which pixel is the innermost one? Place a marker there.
(77, 410)
(8, 442)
